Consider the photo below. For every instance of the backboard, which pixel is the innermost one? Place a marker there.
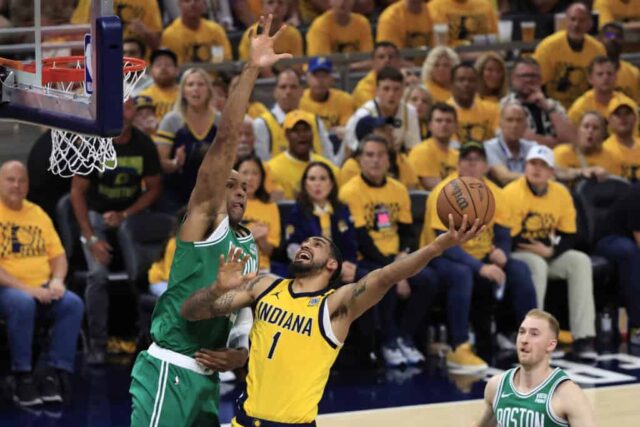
(31, 91)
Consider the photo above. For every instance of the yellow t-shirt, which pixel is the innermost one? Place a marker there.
(478, 123)
(403, 28)
(438, 93)
(429, 160)
(379, 209)
(627, 160)
(290, 41)
(365, 90)
(407, 174)
(465, 18)
(628, 80)
(164, 100)
(567, 157)
(481, 245)
(266, 213)
(617, 10)
(335, 111)
(128, 11)
(564, 71)
(307, 11)
(286, 171)
(159, 270)
(195, 46)
(325, 36)
(538, 218)
(587, 102)
(29, 242)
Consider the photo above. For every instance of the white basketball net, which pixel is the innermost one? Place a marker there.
(77, 154)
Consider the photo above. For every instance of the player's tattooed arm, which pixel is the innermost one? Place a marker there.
(355, 291)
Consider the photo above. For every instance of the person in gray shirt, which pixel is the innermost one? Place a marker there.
(506, 153)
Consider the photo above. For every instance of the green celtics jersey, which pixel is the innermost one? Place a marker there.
(195, 266)
(514, 409)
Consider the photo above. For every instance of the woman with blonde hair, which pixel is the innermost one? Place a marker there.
(184, 135)
(436, 72)
(492, 71)
(418, 95)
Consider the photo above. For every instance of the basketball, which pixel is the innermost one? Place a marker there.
(468, 196)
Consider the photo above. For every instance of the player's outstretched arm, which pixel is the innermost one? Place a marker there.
(352, 300)
(488, 418)
(570, 402)
(209, 191)
(231, 291)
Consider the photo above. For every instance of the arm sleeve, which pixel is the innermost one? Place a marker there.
(168, 128)
(368, 248)
(239, 334)
(502, 238)
(457, 254)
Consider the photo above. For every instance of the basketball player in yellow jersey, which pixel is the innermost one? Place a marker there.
(300, 324)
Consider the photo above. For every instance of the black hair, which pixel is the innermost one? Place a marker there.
(389, 73)
(526, 60)
(141, 46)
(599, 60)
(385, 43)
(158, 53)
(462, 65)
(261, 193)
(444, 108)
(304, 200)
(336, 253)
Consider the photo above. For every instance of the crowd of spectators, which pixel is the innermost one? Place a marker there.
(530, 125)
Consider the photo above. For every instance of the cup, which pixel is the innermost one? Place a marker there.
(528, 29)
(217, 54)
(441, 34)
(560, 21)
(505, 30)
(480, 39)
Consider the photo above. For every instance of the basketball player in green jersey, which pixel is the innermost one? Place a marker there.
(169, 387)
(535, 394)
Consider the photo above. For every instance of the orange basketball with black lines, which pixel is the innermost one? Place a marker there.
(468, 196)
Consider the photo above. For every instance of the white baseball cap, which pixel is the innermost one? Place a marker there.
(543, 153)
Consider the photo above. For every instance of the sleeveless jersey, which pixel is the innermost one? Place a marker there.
(515, 409)
(278, 142)
(195, 266)
(292, 351)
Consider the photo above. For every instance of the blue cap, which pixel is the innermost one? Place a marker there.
(320, 63)
(368, 124)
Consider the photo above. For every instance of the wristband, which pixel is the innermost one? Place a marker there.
(90, 241)
(57, 280)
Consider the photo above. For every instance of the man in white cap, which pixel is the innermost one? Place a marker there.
(543, 234)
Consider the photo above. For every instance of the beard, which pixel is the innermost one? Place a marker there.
(300, 269)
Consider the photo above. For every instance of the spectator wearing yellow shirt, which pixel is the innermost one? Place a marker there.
(628, 75)
(602, 77)
(543, 232)
(339, 31)
(406, 23)
(626, 11)
(477, 119)
(270, 136)
(399, 166)
(547, 119)
(565, 55)
(418, 96)
(587, 158)
(435, 158)
(624, 143)
(332, 105)
(311, 9)
(388, 104)
(195, 39)
(140, 19)
(385, 54)
(286, 168)
(436, 72)
(493, 77)
(164, 90)
(465, 18)
(33, 269)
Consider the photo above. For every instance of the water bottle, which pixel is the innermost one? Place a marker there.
(605, 336)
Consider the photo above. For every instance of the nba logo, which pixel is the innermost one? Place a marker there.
(88, 66)
(314, 301)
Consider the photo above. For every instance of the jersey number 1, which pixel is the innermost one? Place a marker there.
(276, 337)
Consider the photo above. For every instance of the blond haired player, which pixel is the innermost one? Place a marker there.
(534, 393)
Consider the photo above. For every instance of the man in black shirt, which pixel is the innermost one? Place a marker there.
(621, 246)
(101, 202)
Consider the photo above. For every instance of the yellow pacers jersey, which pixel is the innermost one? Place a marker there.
(478, 123)
(290, 41)
(365, 90)
(403, 28)
(465, 18)
(325, 36)
(196, 46)
(335, 111)
(564, 71)
(163, 100)
(566, 157)
(256, 109)
(429, 160)
(628, 80)
(292, 351)
(617, 10)
(626, 159)
(482, 244)
(438, 93)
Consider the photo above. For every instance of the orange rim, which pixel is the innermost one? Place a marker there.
(68, 69)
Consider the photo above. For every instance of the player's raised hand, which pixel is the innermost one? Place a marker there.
(458, 236)
(230, 271)
(261, 51)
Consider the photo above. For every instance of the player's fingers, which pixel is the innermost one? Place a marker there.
(452, 226)
(463, 224)
(279, 32)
